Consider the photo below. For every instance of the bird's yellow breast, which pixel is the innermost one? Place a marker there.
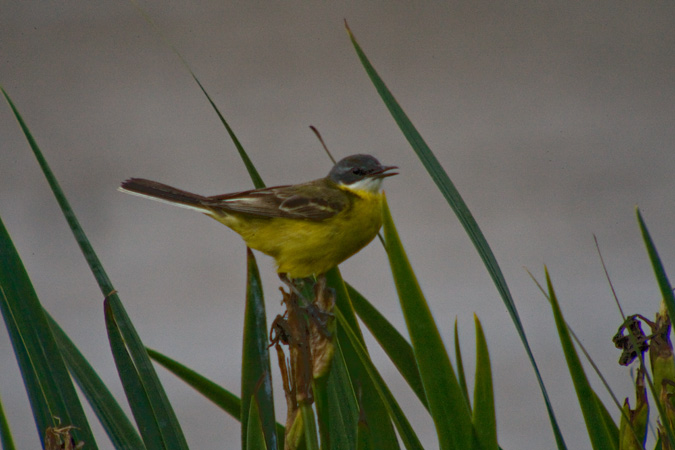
(303, 248)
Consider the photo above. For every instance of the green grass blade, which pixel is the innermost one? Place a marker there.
(484, 420)
(221, 397)
(363, 439)
(92, 259)
(153, 413)
(309, 424)
(447, 403)
(465, 217)
(88, 251)
(52, 395)
(461, 377)
(256, 378)
(336, 394)
(634, 422)
(657, 266)
(253, 173)
(392, 342)
(382, 430)
(668, 299)
(255, 438)
(120, 430)
(336, 405)
(169, 424)
(405, 431)
(600, 435)
(137, 395)
(344, 301)
(607, 418)
(258, 183)
(6, 441)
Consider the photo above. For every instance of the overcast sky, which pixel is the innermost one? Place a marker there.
(553, 122)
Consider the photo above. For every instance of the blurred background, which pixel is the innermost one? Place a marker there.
(554, 121)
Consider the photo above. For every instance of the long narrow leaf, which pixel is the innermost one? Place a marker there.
(252, 171)
(256, 378)
(363, 440)
(6, 441)
(309, 424)
(139, 399)
(405, 431)
(607, 417)
(52, 395)
(447, 403)
(222, 398)
(600, 435)
(484, 420)
(587, 355)
(465, 217)
(337, 406)
(375, 411)
(88, 251)
(668, 299)
(660, 273)
(121, 432)
(255, 438)
(344, 301)
(225, 400)
(139, 377)
(461, 377)
(394, 345)
(169, 424)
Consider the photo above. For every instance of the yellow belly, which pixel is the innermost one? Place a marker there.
(302, 248)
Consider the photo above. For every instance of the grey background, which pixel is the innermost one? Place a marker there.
(554, 121)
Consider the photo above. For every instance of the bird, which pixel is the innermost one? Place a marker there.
(307, 228)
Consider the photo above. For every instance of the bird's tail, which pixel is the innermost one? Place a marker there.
(164, 193)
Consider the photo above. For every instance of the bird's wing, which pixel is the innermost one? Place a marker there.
(311, 201)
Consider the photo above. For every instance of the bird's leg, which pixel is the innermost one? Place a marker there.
(292, 284)
(324, 300)
(319, 310)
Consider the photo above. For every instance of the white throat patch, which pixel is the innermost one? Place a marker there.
(369, 184)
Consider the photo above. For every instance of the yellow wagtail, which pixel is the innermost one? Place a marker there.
(307, 228)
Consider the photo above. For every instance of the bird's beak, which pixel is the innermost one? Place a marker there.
(383, 172)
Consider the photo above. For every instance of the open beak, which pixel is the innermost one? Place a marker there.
(383, 172)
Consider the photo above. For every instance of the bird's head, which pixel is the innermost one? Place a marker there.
(360, 172)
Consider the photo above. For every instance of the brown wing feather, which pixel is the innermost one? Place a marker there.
(312, 201)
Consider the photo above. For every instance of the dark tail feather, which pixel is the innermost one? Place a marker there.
(161, 191)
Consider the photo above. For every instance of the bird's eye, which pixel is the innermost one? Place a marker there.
(357, 171)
